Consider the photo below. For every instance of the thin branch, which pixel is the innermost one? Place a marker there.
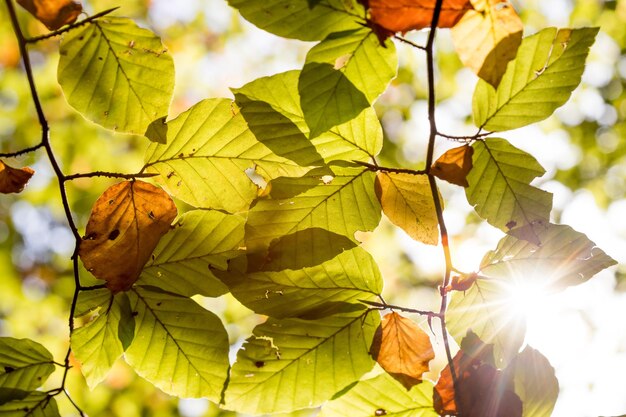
(80, 411)
(22, 151)
(109, 175)
(385, 306)
(376, 168)
(477, 136)
(408, 42)
(93, 287)
(69, 27)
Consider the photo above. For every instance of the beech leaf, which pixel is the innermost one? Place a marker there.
(402, 349)
(407, 201)
(454, 165)
(487, 38)
(53, 13)
(13, 180)
(405, 15)
(124, 227)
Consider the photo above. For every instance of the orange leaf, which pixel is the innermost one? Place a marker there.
(53, 13)
(402, 349)
(454, 165)
(462, 282)
(124, 227)
(405, 15)
(13, 180)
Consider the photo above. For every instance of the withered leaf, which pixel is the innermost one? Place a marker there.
(13, 180)
(454, 165)
(124, 227)
(402, 349)
(405, 15)
(462, 282)
(53, 13)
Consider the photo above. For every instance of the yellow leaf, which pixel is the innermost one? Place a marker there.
(13, 180)
(53, 13)
(402, 349)
(407, 201)
(454, 165)
(487, 38)
(124, 227)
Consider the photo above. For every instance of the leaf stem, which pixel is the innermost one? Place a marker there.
(70, 27)
(21, 151)
(408, 42)
(109, 175)
(477, 136)
(376, 168)
(385, 306)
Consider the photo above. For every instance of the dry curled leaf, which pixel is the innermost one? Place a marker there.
(13, 180)
(462, 282)
(402, 349)
(454, 165)
(124, 227)
(53, 13)
(405, 15)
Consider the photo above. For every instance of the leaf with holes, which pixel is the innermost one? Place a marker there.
(36, 404)
(546, 70)
(13, 180)
(210, 153)
(405, 15)
(407, 201)
(53, 13)
(500, 190)
(116, 74)
(24, 366)
(454, 165)
(342, 76)
(125, 225)
(402, 349)
(184, 258)
(487, 38)
(178, 346)
(291, 364)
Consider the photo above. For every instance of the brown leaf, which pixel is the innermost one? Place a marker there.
(454, 165)
(405, 15)
(124, 227)
(462, 282)
(487, 38)
(53, 13)
(402, 349)
(13, 180)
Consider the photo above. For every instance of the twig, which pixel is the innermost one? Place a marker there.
(21, 152)
(69, 27)
(109, 175)
(93, 287)
(69, 397)
(408, 42)
(376, 168)
(477, 136)
(385, 306)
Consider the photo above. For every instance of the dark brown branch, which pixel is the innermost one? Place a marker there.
(477, 136)
(109, 175)
(385, 306)
(70, 27)
(21, 151)
(376, 168)
(408, 42)
(93, 287)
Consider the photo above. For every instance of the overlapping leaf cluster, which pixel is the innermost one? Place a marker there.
(280, 180)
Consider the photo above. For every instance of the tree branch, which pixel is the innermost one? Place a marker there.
(385, 306)
(69, 27)
(408, 42)
(110, 175)
(21, 151)
(377, 168)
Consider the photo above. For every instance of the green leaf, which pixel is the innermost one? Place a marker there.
(485, 310)
(535, 383)
(382, 396)
(541, 78)
(300, 19)
(200, 240)
(24, 366)
(342, 75)
(36, 404)
(116, 74)
(98, 344)
(178, 346)
(293, 363)
(91, 300)
(500, 190)
(271, 106)
(341, 204)
(566, 257)
(335, 286)
(209, 148)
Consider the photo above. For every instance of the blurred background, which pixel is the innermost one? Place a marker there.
(582, 147)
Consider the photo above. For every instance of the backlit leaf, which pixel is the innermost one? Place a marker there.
(487, 38)
(454, 165)
(406, 15)
(209, 149)
(500, 190)
(535, 383)
(334, 286)
(546, 70)
(402, 349)
(271, 106)
(382, 396)
(566, 257)
(342, 75)
(24, 366)
(89, 301)
(36, 404)
(116, 74)
(407, 201)
(178, 346)
(183, 259)
(13, 180)
(53, 13)
(98, 344)
(291, 364)
(300, 19)
(125, 225)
